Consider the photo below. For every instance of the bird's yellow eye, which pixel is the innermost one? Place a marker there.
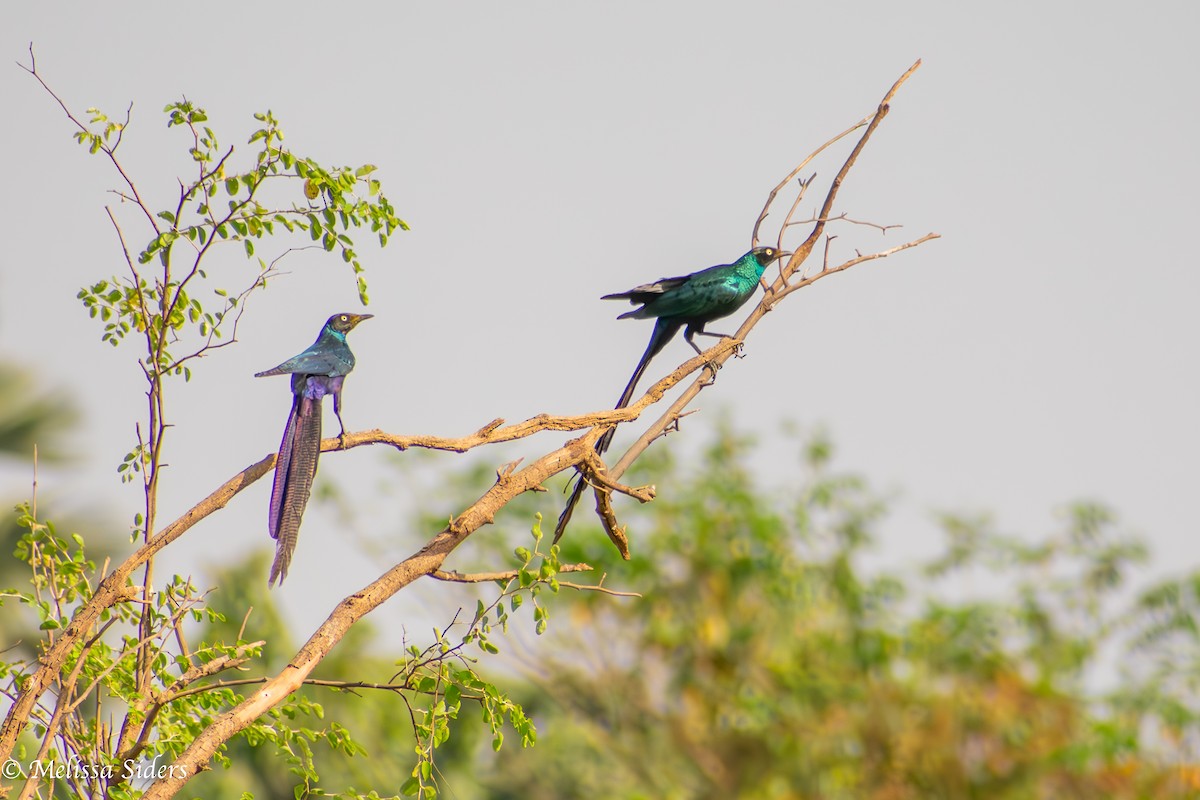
(345, 318)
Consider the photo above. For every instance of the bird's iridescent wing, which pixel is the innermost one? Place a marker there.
(316, 360)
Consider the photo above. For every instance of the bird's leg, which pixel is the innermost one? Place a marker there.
(737, 353)
(337, 410)
(699, 329)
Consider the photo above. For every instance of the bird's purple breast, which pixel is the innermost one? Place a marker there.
(314, 387)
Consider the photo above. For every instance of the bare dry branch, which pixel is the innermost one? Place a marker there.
(512, 574)
(589, 587)
(596, 473)
(843, 217)
(488, 577)
(787, 220)
(608, 518)
(929, 237)
(800, 168)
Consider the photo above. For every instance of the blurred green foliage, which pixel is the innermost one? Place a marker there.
(32, 416)
(763, 660)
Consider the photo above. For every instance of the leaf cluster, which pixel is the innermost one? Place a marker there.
(161, 687)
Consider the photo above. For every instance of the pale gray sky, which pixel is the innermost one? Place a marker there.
(1043, 351)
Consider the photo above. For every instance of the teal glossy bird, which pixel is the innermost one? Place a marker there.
(689, 302)
(318, 371)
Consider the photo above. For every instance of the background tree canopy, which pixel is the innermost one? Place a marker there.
(763, 660)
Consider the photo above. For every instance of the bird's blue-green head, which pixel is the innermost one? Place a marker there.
(344, 323)
(765, 255)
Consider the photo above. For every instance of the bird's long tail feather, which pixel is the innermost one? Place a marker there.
(295, 467)
(663, 331)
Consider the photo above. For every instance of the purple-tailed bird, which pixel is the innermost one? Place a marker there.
(318, 371)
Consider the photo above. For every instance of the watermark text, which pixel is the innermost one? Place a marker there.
(131, 770)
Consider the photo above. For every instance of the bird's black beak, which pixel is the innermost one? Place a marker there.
(357, 318)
